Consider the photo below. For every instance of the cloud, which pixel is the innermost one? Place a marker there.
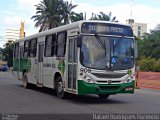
(11, 21)
(14, 23)
(147, 14)
(28, 3)
(120, 10)
(28, 6)
(141, 13)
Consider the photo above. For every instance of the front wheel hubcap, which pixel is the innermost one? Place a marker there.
(60, 87)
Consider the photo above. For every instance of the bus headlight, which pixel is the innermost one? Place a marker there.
(87, 79)
(128, 80)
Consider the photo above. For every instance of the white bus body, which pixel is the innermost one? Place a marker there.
(56, 59)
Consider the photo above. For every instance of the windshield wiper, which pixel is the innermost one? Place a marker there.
(118, 41)
(100, 41)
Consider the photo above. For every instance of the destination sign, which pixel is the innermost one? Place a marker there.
(107, 28)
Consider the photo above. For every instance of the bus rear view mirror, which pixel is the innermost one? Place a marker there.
(79, 41)
(136, 49)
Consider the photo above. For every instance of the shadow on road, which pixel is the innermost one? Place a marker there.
(93, 99)
(78, 99)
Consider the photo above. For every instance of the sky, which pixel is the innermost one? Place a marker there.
(143, 11)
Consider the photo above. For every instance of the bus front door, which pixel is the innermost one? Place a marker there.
(40, 63)
(72, 64)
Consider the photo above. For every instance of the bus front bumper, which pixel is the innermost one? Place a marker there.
(87, 88)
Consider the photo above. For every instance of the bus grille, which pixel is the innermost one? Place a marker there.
(109, 88)
(104, 82)
(102, 75)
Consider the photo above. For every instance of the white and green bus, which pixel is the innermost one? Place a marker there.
(85, 57)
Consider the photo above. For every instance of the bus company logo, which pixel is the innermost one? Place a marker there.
(109, 81)
(61, 65)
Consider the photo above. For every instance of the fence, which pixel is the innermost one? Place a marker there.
(148, 80)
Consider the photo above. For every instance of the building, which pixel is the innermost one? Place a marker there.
(139, 29)
(130, 22)
(11, 34)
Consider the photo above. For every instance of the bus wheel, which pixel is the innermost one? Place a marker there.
(60, 88)
(103, 96)
(25, 80)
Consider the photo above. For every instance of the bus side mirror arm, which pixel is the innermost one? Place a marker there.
(79, 41)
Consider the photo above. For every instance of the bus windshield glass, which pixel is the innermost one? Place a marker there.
(107, 53)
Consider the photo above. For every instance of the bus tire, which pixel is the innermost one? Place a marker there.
(25, 80)
(60, 88)
(103, 96)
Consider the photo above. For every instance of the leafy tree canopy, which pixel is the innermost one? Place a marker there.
(150, 45)
(7, 52)
(104, 17)
(53, 13)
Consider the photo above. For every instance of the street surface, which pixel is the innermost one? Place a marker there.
(15, 99)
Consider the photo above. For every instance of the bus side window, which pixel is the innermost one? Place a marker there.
(16, 52)
(26, 49)
(50, 45)
(53, 44)
(21, 52)
(61, 44)
(33, 48)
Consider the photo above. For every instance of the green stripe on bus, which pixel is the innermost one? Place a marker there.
(21, 64)
(86, 88)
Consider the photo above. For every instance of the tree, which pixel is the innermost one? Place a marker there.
(139, 42)
(49, 14)
(77, 16)
(150, 45)
(104, 17)
(52, 13)
(67, 11)
(1, 56)
(7, 52)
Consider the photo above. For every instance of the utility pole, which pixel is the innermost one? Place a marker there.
(131, 14)
(130, 21)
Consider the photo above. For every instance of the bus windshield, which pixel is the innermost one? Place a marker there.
(107, 53)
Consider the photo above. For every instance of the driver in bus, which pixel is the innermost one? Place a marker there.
(85, 53)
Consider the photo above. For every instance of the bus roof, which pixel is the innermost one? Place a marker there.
(63, 28)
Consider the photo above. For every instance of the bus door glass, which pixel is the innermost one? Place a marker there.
(20, 60)
(40, 63)
(72, 63)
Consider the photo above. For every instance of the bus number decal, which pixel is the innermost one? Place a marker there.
(85, 70)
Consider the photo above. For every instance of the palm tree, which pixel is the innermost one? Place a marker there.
(77, 16)
(94, 17)
(104, 17)
(67, 11)
(49, 14)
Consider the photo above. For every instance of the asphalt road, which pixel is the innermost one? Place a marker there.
(15, 99)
